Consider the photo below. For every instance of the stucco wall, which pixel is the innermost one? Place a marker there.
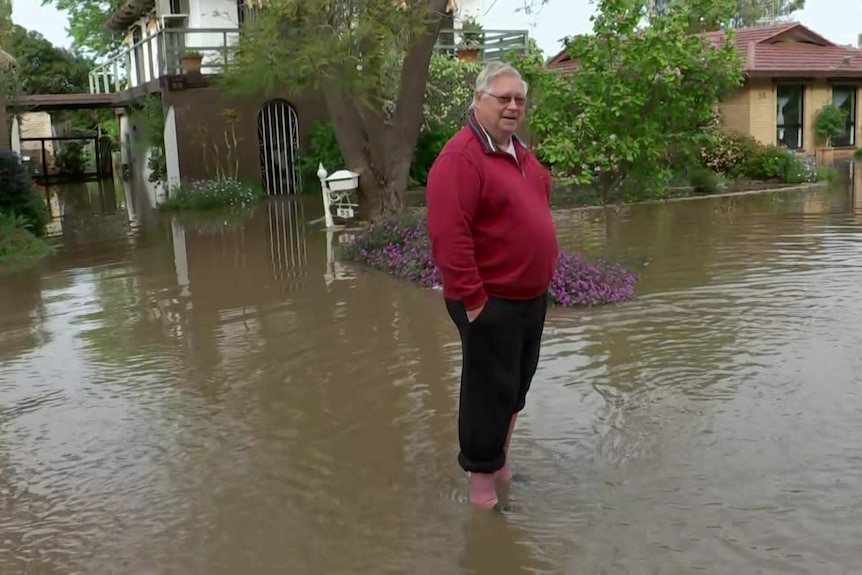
(202, 121)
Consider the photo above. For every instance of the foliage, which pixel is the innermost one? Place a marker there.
(148, 117)
(87, 20)
(431, 141)
(739, 155)
(639, 102)
(369, 61)
(746, 13)
(858, 154)
(322, 149)
(447, 99)
(829, 123)
(580, 282)
(726, 152)
(401, 247)
(826, 174)
(17, 243)
(42, 68)
(703, 180)
(211, 194)
(18, 195)
(449, 91)
(72, 159)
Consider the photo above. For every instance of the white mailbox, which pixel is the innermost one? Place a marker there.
(343, 181)
(337, 191)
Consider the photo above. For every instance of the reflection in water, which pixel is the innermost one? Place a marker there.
(287, 244)
(201, 397)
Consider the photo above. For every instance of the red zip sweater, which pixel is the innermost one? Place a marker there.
(489, 219)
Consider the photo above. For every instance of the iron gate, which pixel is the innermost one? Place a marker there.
(278, 134)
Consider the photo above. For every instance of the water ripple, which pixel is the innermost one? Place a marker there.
(243, 414)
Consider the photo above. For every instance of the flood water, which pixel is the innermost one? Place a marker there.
(213, 396)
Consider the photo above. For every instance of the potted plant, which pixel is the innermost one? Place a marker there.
(191, 61)
(828, 125)
(471, 40)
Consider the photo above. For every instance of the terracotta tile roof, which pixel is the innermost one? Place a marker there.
(791, 49)
(786, 49)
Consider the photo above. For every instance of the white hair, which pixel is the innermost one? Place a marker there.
(488, 77)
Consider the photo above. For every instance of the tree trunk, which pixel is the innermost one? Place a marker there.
(381, 151)
(5, 134)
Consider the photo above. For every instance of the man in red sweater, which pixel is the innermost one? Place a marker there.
(493, 239)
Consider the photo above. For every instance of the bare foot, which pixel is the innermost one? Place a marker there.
(483, 493)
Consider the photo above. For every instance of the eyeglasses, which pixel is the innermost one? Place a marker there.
(520, 101)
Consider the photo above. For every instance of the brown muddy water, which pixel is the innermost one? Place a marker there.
(214, 397)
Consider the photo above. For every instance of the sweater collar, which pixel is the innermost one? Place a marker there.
(488, 143)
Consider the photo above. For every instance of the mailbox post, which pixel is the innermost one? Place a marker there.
(336, 189)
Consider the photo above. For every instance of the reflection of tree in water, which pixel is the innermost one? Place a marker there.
(22, 313)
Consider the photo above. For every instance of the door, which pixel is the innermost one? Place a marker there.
(278, 134)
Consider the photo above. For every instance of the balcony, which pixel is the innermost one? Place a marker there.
(491, 45)
(158, 55)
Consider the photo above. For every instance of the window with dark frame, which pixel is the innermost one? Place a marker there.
(844, 98)
(789, 116)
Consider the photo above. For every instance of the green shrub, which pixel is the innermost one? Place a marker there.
(18, 195)
(858, 154)
(17, 243)
(429, 145)
(704, 180)
(211, 194)
(826, 174)
(729, 152)
(766, 163)
(829, 122)
(322, 148)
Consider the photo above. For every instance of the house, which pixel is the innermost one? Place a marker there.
(791, 72)
(270, 129)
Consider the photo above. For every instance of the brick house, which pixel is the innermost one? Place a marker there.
(790, 73)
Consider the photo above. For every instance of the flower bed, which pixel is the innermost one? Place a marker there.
(212, 194)
(402, 248)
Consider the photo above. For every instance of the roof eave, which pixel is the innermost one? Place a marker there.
(767, 74)
(128, 13)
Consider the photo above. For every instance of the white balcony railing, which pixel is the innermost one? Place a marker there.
(159, 55)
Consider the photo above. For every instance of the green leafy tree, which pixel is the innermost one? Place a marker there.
(746, 12)
(45, 69)
(640, 102)
(87, 24)
(369, 60)
(42, 68)
(8, 79)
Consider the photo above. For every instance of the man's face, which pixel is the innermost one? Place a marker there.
(501, 108)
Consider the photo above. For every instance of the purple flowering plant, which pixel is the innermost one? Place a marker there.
(402, 248)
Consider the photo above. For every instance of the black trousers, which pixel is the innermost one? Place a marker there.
(500, 353)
